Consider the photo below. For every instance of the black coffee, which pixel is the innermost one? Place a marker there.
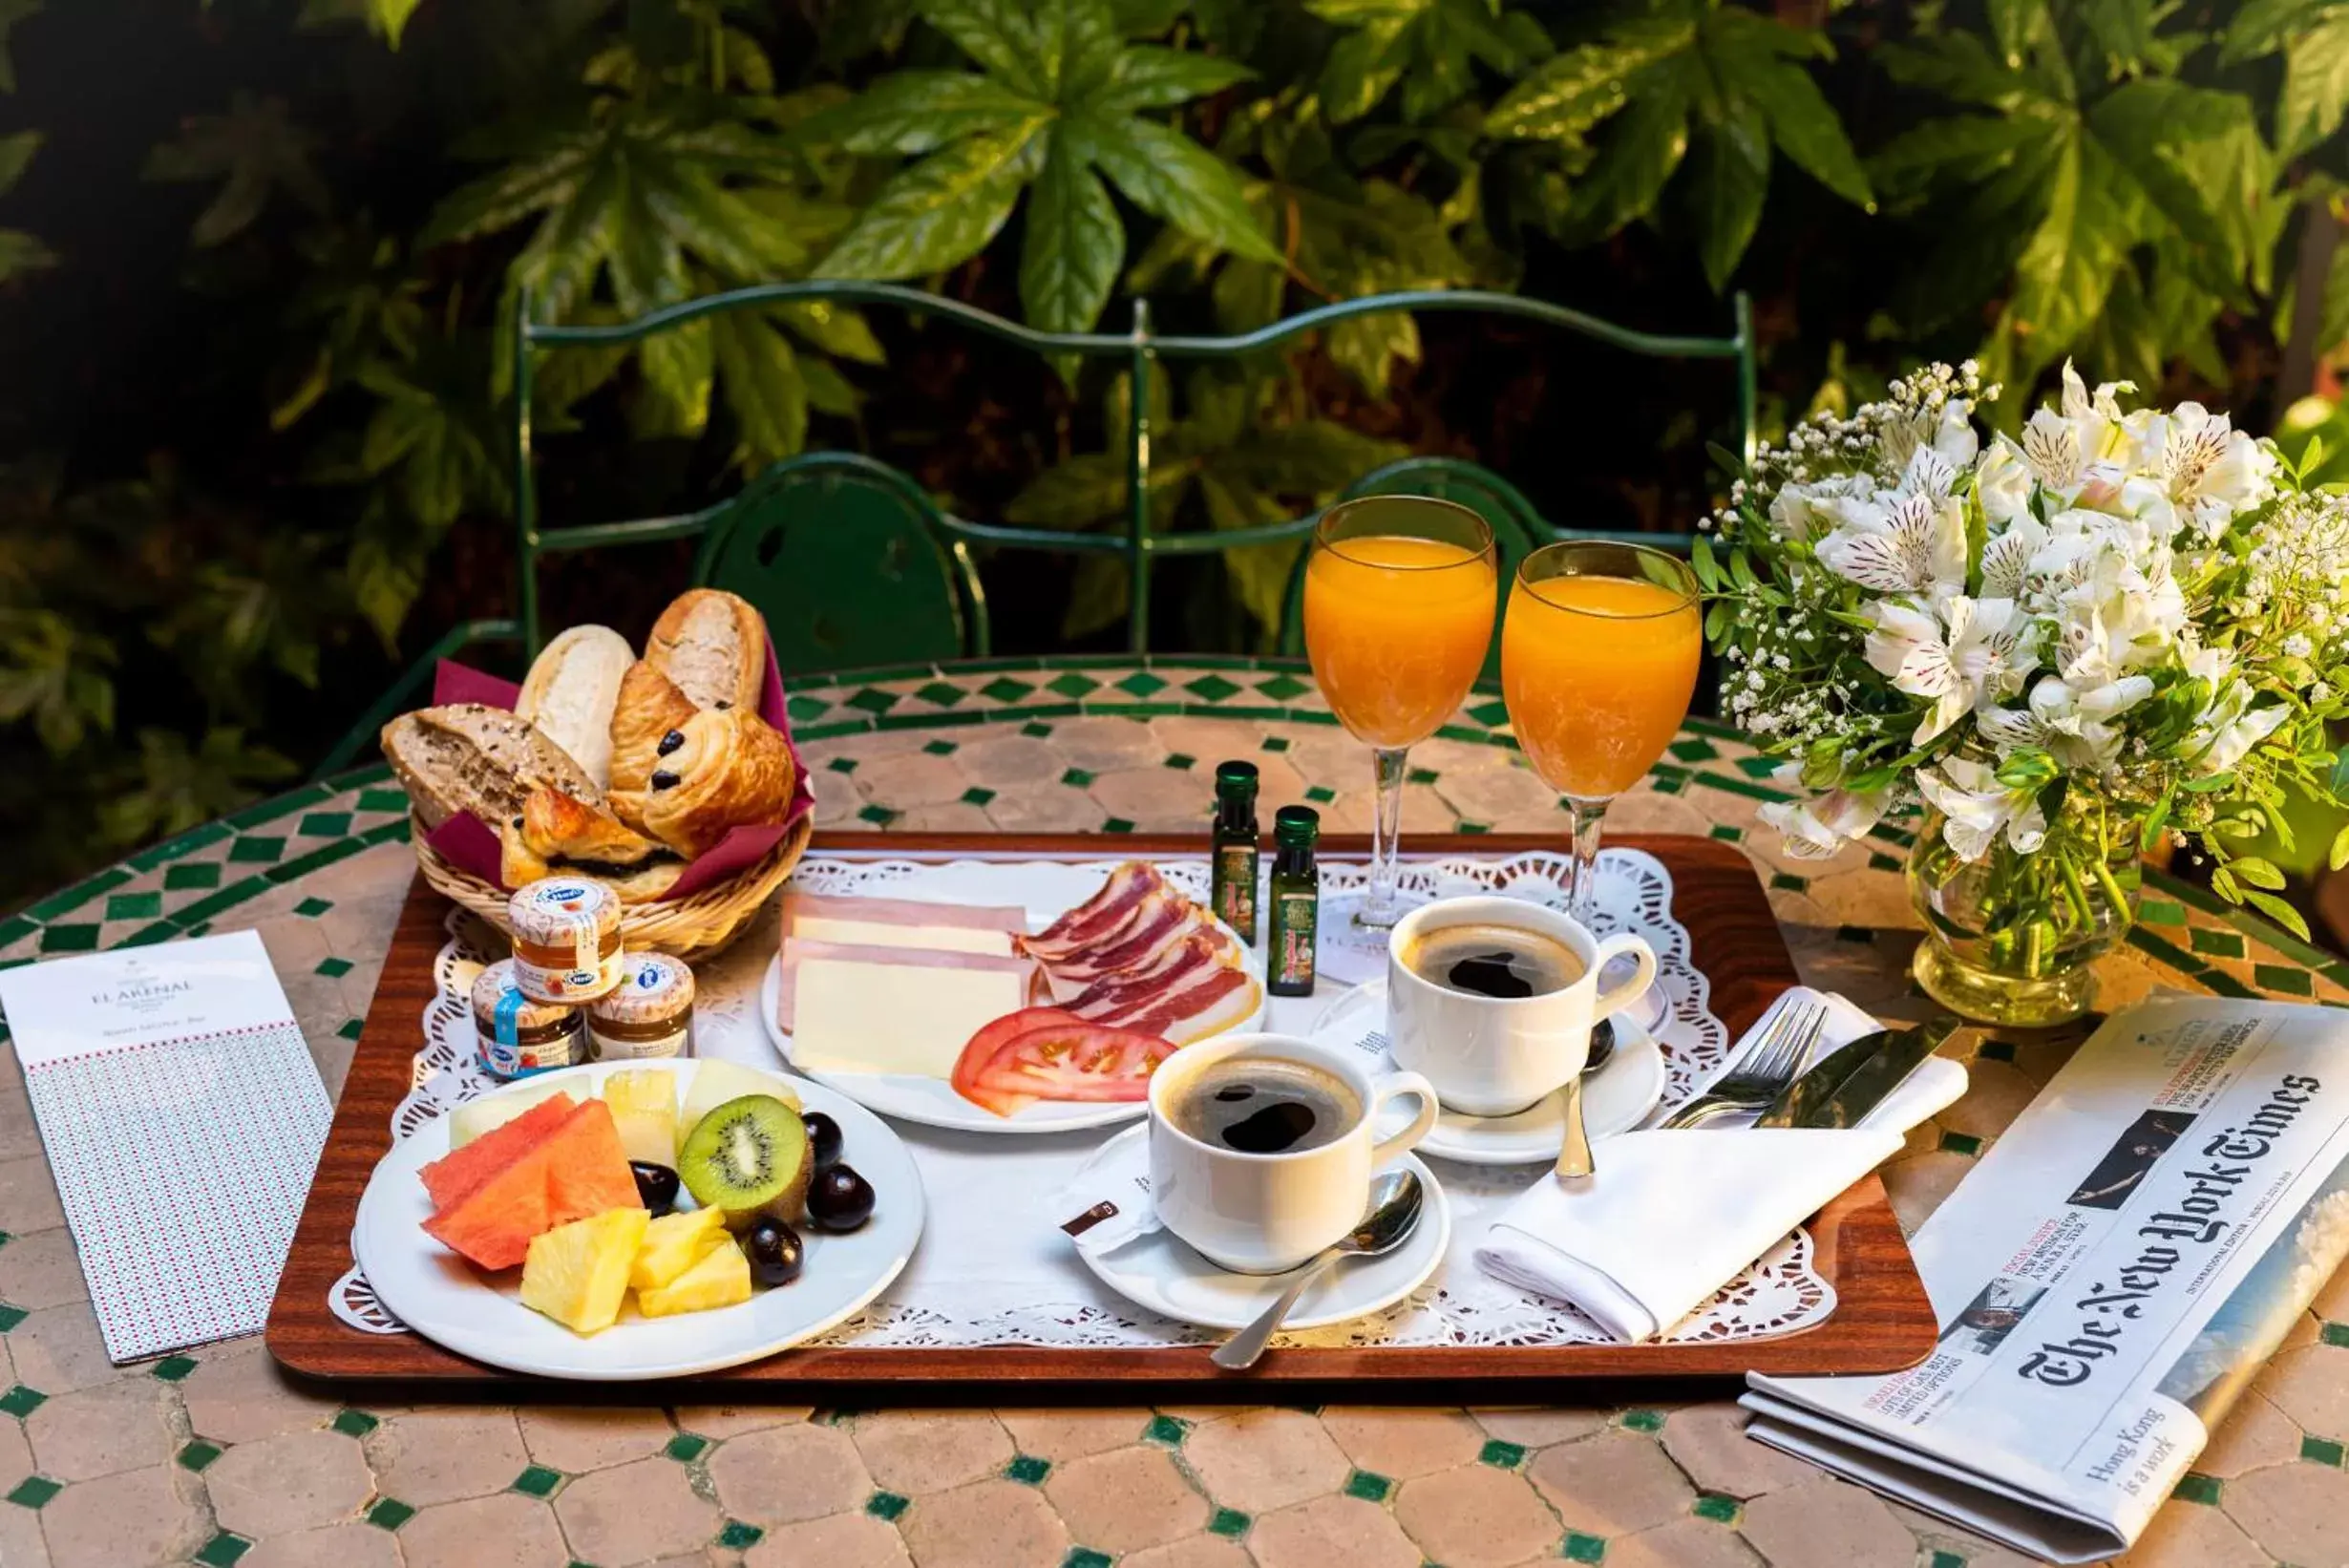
(1507, 962)
(1266, 1105)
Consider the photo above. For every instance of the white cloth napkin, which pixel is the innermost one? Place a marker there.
(1672, 1215)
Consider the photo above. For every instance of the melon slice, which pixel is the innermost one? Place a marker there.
(466, 1168)
(574, 1171)
(486, 1115)
(716, 1082)
(644, 1104)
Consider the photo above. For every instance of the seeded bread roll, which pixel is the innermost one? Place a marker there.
(573, 686)
(468, 757)
(713, 647)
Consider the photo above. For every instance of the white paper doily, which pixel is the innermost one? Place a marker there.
(992, 1268)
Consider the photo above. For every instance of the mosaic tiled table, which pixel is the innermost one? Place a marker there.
(212, 1458)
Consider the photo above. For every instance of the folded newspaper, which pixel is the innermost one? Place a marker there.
(2107, 1280)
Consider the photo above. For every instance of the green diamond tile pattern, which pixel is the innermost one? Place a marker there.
(874, 700)
(21, 1401)
(1005, 690)
(334, 969)
(1369, 1486)
(1582, 1548)
(1076, 778)
(33, 1491)
(2335, 1334)
(1961, 1143)
(537, 1481)
(389, 1513)
(975, 796)
(222, 1550)
(1182, 761)
(1169, 1429)
(134, 906)
(1140, 683)
(312, 907)
(1648, 1421)
(686, 1447)
(355, 1423)
(2320, 1451)
(1073, 686)
(1085, 1557)
(1321, 794)
(1282, 687)
(257, 851)
(1501, 1456)
(1719, 1509)
(196, 1455)
(886, 1505)
(939, 694)
(1029, 1469)
(180, 878)
(10, 1317)
(939, 748)
(739, 1537)
(1228, 1522)
(2197, 1489)
(1212, 689)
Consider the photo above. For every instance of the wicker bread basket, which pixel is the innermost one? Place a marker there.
(693, 928)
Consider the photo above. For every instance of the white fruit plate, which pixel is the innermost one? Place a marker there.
(1046, 890)
(479, 1314)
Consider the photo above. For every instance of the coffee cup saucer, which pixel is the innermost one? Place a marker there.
(1161, 1273)
(1614, 1098)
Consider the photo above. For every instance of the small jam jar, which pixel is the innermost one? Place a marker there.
(566, 939)
(647, 1014)
(515, 1036)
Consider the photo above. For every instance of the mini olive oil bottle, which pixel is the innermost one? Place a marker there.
(1233, 848)
(1296, 898)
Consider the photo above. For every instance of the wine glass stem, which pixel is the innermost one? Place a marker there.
(1583, 819)
(1377, 903)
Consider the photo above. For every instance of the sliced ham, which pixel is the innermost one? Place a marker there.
(909, 912)
(1158, 921)
(1196, 947)
(1097, 916)
(1207, 1002)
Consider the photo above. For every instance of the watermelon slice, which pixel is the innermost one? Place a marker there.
(576, 1170)
(449, 1179)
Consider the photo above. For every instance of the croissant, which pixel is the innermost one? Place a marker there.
(728, 769)
(650, 710)
(557, 832)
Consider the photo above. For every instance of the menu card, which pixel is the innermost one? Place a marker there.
(183, 1119)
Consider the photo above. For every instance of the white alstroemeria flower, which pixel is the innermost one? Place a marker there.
(2115, 605)
(2211, 470)
(2003, 482)
(2072, 725)
(2007, 556)
(2229, 728)
(1806, 511)
(1972, 653)
(2084, 442)
(1977, 807)
(1814, 829)
(2206, 664)
(1948, 434)
(1917, 544)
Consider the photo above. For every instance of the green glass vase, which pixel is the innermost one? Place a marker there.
(2013, 938)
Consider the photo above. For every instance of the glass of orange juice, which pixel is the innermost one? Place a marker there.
(1400, 594)
(1598, 659)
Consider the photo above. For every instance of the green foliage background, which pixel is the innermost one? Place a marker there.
(256, 261)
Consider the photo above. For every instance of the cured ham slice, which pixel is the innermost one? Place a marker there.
(901, 922)
(1097, 916)
(1198, 948)
(1160, 921)
(1210, 1001)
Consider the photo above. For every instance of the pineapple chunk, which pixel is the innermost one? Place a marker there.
(644, 1109)
(475, 1118)
(722, 1279)
(578, 1274)
(716, 1082)
(673, 1243)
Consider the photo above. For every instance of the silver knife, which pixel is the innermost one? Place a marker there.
(1874, 1080)
(1818, 1084)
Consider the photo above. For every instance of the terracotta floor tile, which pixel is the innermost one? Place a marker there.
(576, 1439)
(1399, 1443)
(27, 1196)
(1827, 1521)
(991, 1524)
(1125, 1499)
(439, 1455)
(787, 1474)
(21, 1545)
(1071, 1433)
(97, 1432)
(136, 1516)
(2311, 1386)
(1192, 1552)
(1157, 798)
(1475, 1516)
(917, 1452)
(1046, 808)
(634, 1512)
(300, 1481)
(15, 1455)
(41, 1270)
(238, 1395)
(1995, 1093)
(1709, 1442)
(2299, 1511)
(1537, 1426)
(1006, 763)
(1099, 745)
(1335, 1529)
(337, 1546)
(59, 1349)
(1497, 795)
(2191, 1535)
(844, 1541)
(913, 779)
(720, 1422)
(1259, 1460)
(1687, 1543)
(2256, 1434)
(504, 1531)
(1612, 1484)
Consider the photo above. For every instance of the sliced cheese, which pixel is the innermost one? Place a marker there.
(891, 1009)
(949, 939)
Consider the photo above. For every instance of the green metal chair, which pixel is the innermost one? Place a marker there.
(839, 519)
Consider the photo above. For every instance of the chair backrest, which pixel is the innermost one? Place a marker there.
(850, 562)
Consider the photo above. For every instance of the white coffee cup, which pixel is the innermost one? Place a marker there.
(1494, 1056)
(1263, 1214)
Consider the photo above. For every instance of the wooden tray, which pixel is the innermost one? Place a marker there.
(1882, 1319)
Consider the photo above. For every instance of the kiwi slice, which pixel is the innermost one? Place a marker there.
(746, 1156)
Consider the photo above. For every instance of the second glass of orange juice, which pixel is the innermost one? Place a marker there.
(1598, 659)
(1400, 593)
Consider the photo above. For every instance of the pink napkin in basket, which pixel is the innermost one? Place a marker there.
(465, 842)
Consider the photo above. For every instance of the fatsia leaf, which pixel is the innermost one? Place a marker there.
(2315, 86)
(1004, 36)
(1729, 175)
(1956, 65)
(918, 112)
(2016, 24)
(1363, 67)
(253, 150)
(1159, 79)
(1258, 573)
(2066, 270)
(941, 211)
(1100, 592)
(1168, 176)
(1643, 146)
(838, 329)
(2139, 126)
(1574, 90)
(1801, 123)
(1073, 494)
(1960, 145)
(764, 388)
(1073, 246)
(2263, 26)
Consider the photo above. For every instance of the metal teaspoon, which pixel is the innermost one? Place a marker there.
(1392, 1213)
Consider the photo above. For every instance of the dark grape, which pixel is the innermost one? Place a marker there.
(776, 1253)
(839, 1199)
(655, 1184)
(823, 1137)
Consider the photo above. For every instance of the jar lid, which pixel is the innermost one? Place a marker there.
(494, 989)
(652, 986)
(552, 911)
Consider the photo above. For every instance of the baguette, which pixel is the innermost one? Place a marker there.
(572, 688)
(479, 760)
(713, 647)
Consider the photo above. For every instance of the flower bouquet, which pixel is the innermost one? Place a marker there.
(2129, 621)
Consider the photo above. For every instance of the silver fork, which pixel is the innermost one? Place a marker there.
(1762, 1072)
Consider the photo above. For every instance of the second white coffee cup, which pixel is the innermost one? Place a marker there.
(1494, 1056)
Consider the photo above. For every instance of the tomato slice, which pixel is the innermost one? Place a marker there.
(1044, 1053)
